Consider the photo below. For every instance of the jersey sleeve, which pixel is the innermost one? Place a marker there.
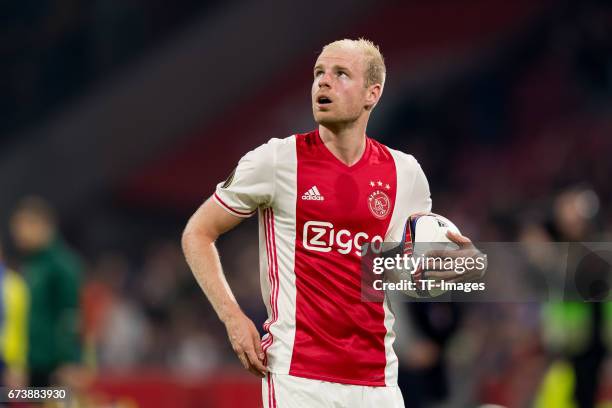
(413, 194)
(251, 184)
(421, 196)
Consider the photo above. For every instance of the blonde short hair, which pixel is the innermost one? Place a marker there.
(376, 71)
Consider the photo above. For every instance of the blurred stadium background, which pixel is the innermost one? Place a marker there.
(124, 114)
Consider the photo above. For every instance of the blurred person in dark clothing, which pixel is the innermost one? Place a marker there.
(14, 303)
(579, 331)
(53, 273)
(426, 369)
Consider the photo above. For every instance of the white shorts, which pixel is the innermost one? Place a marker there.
(287, 391)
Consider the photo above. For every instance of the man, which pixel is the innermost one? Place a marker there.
(321, 196)
(52, 272)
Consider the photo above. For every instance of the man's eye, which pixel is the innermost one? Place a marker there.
(341, 73)
(317, 73)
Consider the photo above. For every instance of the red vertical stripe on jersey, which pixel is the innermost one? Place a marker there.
(269, 391)
(273, 392)
(266, 325)
(275, 264)
(272, 276)
(339, 337)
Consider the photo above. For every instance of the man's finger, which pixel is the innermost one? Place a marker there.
(258, 348)
(256, 372)
(463, 242)
(255, 361)
(244, 360)
(467, 276)
(440, 253)
(437, 264)
(441, 275)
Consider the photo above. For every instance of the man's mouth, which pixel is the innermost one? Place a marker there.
(323, 100)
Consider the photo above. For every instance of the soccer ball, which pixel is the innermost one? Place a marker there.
(424, 233)
(431, 228)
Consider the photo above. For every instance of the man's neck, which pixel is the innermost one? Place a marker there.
(347, 144)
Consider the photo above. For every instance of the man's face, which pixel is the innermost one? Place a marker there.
(339, 94)
(29, 231)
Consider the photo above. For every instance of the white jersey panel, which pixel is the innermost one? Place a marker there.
(277, 259)
(392, 362)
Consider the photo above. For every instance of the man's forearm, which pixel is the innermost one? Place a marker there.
(203, 259)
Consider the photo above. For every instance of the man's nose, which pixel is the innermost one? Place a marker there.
(324, 80)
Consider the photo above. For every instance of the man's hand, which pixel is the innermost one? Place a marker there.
(246, 343)
(466, 250)
(201, 232)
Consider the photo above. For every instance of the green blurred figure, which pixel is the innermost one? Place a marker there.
(53, 274)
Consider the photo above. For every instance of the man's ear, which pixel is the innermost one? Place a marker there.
(373, 95)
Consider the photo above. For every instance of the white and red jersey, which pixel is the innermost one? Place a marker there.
(315, 212)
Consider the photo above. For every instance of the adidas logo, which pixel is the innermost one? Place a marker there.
(313, 194)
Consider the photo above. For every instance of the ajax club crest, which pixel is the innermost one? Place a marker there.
(379, 202)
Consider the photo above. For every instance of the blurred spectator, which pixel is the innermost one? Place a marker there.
(161, 284)
(52, 271)
(96, 300)
(424, 367)
(14, 305)
(576, 331)
(124, 335)
(116, 329)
